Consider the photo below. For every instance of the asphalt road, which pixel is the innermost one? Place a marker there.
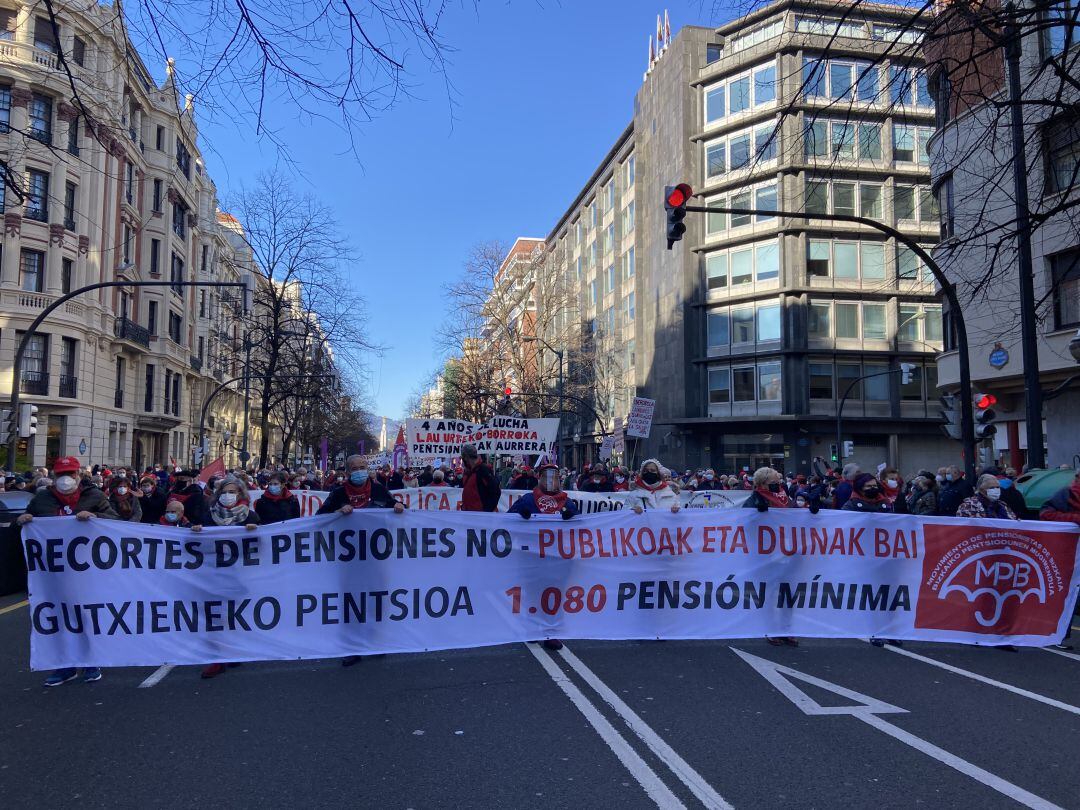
(603, 724)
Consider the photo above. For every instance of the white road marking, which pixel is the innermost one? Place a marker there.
(157, 676)
(687, 775)
(1071, 655)
(639, 769)
(1008, 687)
(867, 710)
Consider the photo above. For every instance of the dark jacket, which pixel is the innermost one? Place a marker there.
(135, 515)
(480, 489)
(380, 498)
(952, 494)
(153, 506)
(843, 492)
(857, 504)
(1064, 505)
(91, 499)
(1012, 498)
(274, 510)
(922, 502)
(524, 481)
(194, 500)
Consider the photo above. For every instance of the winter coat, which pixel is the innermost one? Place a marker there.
(91, 499)
(662, 498)
(480, 491)
(922, 502)
(952, 495)
(843, 492)
(152, 506)
(1064, 505)
(979, 506)
(380, 498)
(857, 504)
(274, 510)
(135, 515)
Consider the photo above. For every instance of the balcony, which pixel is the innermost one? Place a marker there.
(38, 213)
(127, 329)
(69, 386)
(118, 399)
(35, 382)
(196, 362)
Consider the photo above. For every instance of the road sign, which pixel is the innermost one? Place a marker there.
(639, 422)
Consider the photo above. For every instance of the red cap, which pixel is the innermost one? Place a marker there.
(66, 464)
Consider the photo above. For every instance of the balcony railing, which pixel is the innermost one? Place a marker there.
(69, 386)
(118, 399)
(35, 382)
(196, 362)
(127, 329)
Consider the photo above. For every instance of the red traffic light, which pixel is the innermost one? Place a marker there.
(508, 391)
(679, 195)
(985, 400)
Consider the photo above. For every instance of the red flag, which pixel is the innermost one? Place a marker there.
(215, 467)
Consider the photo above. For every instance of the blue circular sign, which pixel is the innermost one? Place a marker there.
(999, 357)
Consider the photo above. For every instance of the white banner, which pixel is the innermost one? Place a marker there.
(110, 593)
(310, 499)
(431, 439)
(449, 498)
(516, 435)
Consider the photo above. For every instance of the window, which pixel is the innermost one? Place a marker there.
(870, 141)
(69, 206)
(155, 257)
(44, 35)
(68, 349)
(713, 53)
(593, 292)
(631, 311)
(716, 223)
(5, 109)
(183, 158)
(148, 397)
(740, 93)
(817, 197)
(872, 260)
(755, 37)
(769, 382)
(8, 22)
(174, 326)
(151, 317)
(610, 276)
(944, 193)
(841, 81)
(1062, 146)
(73, 137)
(767, 260)
(768, 323)
(739, 149)
(168, 390)
(67, 269)
(903, 143)
(32, 270)
(78, 52)
(1065, 277)
(907, 330)
(876, 387)
(630, 263)
(37, 197)
(609, 240)
(40, 111)
(717, 329)
(870, 200)
(845, 260)
(158, 185)
(36, 359)
(821, 381)
(741, 200)
(914, 204)
(128, 237)
(176, 274)
(932, 326)
(742, 325)
(830, 27)
(628, 218)
(910, 266)
(118, 394)
(818, 318)
(176, 395)
(609, 196)
(912, 391)
(764, 85)
(719, 386)
(847, 380)
(743, 383)
(844, 198)
(716, 274)
(847, 320)
(868, 83)
(818, 257)
(765, 200)
(159, 139)
(816, 139)
(874, 322)
(1060, 19)
(179, 220)
(630, 172)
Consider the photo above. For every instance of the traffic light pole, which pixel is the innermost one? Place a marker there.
(840, 411)
(20, 349)
(948, 289)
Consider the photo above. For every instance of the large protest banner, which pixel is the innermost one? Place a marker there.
(429, 440)
(449, 498)
(109, 593)
(516, 435)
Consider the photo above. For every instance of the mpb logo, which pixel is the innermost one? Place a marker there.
(994, 581)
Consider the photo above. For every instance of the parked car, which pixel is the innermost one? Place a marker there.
(12, 563)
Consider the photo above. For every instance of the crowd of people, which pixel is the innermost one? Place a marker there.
(182, 498)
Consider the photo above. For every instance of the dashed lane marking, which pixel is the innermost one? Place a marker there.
(639, 769)
(1063, 653)
(157, 676)
(16, 606)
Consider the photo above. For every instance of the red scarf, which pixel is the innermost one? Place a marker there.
(547, 503)
(124, 505)
(281, 496)
(617, 487)
(358, 496)
(774, 498)
(891, 495)
(66, 503)
(650, 487)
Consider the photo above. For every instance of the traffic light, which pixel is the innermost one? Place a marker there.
(906, 373)
(675, 200)
(27, 420)
(951, 414)
(985, 416)
(6, 425)
(832, 452)
(849, 449)
(506, 399)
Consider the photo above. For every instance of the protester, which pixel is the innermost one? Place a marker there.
(360, 491)
(427, 475)
(174, 516)
(123, 501)
(955, 490)
(619, 482)
(438, 478)
(277, 502)
(480, 490)
(651, 491)
(768, 491)
(892, 489)
(67, 496)
(1011, 496)
(409, 480)
(524, 478)
(846, 486)
(922, 500)
(986, 502)
(185, 490)
(866, 496)
(596, 480)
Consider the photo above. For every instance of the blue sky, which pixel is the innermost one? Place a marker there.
(542, 89)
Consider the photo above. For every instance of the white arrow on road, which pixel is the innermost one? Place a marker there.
(867, 709)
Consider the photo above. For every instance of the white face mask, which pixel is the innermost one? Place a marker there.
(228, 499)
(993, 493)
(892, 483)
(66, 484)
(939, 478)
(121, 490)
(172, 517)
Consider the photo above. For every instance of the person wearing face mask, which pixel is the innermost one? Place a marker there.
(769, 492)
(922, 500)
(618, 480)
(277, 503)
(174, 516)
(185, 490)
(152, 500)
(67, 496)
(707, 481)
(596, 480)
(123, 500)
(524, 479)
(650, 490)
(866, 496)
(360, 491)
(1011, 497)
(955, 490)
(986, 502)
(892, 488)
